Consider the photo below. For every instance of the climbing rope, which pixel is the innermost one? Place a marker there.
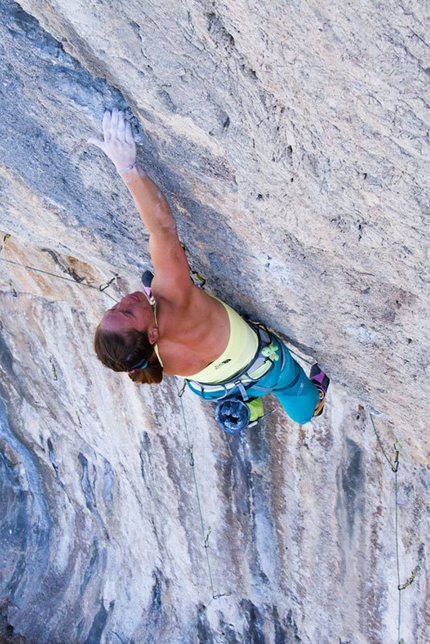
(287, 342)
(205, 533)
(101, 288)
(299, 356)
(394, 465)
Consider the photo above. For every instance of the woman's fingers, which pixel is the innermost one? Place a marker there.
(114, 121)
(118, 143)
(100, 144)
(114, 125)
(106, 125)
(127, 132)
(121, 126)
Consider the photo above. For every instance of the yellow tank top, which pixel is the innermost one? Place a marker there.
(241, 349)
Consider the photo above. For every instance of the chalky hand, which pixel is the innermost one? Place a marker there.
(118, 143)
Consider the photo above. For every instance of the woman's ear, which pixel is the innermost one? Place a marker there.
(153, 335)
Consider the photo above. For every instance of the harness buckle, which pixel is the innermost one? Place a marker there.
(239, 384)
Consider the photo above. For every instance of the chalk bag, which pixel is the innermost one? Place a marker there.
(232, 415)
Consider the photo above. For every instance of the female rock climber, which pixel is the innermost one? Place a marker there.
(172, 327)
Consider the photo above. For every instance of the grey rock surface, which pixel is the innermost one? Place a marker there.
(292, 141)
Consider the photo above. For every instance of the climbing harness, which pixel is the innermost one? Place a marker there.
(265, 357)
(232, 413)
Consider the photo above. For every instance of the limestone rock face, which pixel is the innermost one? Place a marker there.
(292, 141)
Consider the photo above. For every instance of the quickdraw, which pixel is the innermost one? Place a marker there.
(106, 285)
(208, 534)
(410, 579)
(395, 465)
(196, 278)
(5, 241)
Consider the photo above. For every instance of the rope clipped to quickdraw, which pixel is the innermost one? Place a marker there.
(205, 533)
(191, 451)
(182, 389)
(410, 579)
(102, 287)
(106, 285)
(192, 463)
(394, 465)
(208, 534)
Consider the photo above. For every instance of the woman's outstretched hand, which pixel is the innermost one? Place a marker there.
(118, 143)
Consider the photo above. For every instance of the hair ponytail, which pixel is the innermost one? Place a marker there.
(121, 351)
(151, 374)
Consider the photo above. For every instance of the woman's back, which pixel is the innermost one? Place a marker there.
(193, 331)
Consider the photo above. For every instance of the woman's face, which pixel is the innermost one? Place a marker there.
(132, 312)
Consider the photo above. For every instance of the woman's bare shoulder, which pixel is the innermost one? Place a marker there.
(194, 303)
